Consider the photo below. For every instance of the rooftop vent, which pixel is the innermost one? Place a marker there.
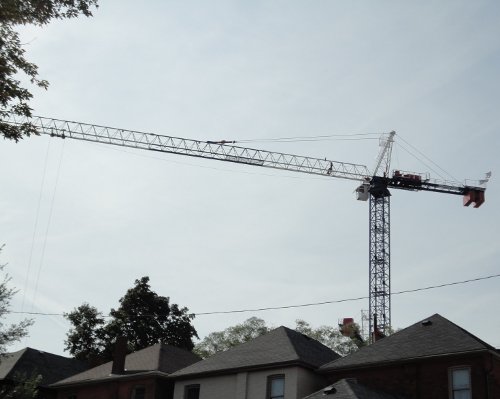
(329, 390)
(426, 323)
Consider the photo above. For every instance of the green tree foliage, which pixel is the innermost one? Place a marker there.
(329, 336)
(87, 337)
(253, 327)
(13, 332)
(223, 340)
(24, 387)
(14, 98)
(143, 317)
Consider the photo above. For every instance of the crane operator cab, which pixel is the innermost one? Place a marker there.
(363, 192)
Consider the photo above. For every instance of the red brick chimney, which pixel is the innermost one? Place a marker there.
(119, 354)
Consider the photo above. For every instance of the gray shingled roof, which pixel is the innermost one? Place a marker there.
(434, 336)
(280, 346)
(29, 361)
(159, 358)
(349, 389)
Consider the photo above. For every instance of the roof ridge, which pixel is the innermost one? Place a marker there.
(487, 345)
(291, 341)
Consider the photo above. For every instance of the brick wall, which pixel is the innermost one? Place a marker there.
(429, 378)
(155, 389)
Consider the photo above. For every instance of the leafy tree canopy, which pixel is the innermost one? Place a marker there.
(329, 336)
(14, 98)
(223, 340)
(24, 387)
(253, 327)
(13, 332)
(143, 317)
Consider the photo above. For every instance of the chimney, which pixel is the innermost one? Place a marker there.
(119, 354)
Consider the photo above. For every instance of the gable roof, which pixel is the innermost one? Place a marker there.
(29, 361)
(434, 336)
(281, 346)
(159, 359)
(349, 388)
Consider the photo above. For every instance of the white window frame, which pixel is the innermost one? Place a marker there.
(451, 385)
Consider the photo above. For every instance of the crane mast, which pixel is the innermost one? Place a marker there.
(379, 274)
(374, 185)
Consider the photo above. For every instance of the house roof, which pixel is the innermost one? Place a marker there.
(434, 336)
(159, 359)
(29, 361)
(349, 388)
(278, 347)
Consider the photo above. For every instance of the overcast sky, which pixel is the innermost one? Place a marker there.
(81, 221)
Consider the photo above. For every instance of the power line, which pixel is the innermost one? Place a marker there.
(348, 299)
(430, 287)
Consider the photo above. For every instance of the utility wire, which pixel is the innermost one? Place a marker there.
(430, 287)
(35, 227)
(42, 257)
(348, 299)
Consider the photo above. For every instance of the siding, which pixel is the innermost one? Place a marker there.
(299, 382)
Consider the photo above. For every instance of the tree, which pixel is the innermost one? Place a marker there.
(24, 387)
(329, 336)
(13, 332)
(253, 327)
(86, 338)
(14, 98)
(223, 340)
(143, 317)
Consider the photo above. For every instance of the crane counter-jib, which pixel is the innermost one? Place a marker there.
(217, 150)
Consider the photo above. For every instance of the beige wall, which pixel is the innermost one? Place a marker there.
(299, 382)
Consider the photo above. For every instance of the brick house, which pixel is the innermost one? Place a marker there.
(29, 362)
(280, 364)
(140, 375)
(433, 358)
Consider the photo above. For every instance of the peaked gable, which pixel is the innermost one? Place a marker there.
(158, 358)
(278, 347)
(434, 336)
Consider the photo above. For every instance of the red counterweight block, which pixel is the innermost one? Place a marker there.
(474, 196)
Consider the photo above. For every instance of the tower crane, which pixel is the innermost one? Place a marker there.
(374, 186)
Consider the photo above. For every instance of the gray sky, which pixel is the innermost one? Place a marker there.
(82, 221)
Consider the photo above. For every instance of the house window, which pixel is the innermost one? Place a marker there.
(460, 383)
(276, 386)
(192, 391)
(139, 392)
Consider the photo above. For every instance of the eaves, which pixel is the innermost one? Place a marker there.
(110, 378)
(236, 370)
(370, 365)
